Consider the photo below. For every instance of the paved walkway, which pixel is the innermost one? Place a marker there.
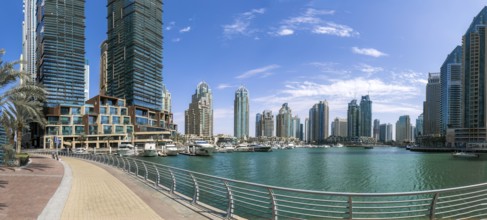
(25, 192)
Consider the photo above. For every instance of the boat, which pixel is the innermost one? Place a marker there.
(201, 148)
(338, 145)
(465, 155)
(368, 147)
(125, 148)
(289, 146)
(225, 148)
(243, 147)
(171, 149)
(79, 151)
(149, 150)
(260, 148)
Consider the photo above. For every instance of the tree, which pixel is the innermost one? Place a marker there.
(82, 139)
(20, 104)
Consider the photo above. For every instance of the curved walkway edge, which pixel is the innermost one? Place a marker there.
(54, 207)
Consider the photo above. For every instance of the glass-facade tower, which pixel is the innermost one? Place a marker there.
(319, 122)
(353, 119)
(61, 50)
(241, 113)
(451, 91)
(134, 56)
(365, 116)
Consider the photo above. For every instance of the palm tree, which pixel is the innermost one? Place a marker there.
(20, 105)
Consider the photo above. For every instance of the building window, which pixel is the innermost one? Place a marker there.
(103, 110)
(126, 120)
(141, 121)
(79, 129)
(113, 111)
(51, 130)
(107, 129)
(121, 103)
(130, 129)
(92, 120)
(67, 130)
(105, 119)
(119, 129)
(65, 120)
(52, 120)
(123, 111)
(115, 120)
(93, 129)
(75, 111)
(77, 120)
(64, 110)
(91, 110)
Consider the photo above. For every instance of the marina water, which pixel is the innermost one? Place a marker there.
(346, 169)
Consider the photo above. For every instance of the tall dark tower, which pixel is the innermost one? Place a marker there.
(134, 63)
(61, 50)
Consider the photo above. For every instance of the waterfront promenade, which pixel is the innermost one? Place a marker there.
(76, 189)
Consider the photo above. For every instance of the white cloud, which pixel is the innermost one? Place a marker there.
(184, 30)
(368, 52)
(176, 39)
(263, 72)
(224, 86)
(219, 113)
(171, 25)
(311, 20)
(240, 25)
(285, 31)
(369, 69)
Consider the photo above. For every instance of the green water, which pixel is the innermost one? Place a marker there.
(382, 169)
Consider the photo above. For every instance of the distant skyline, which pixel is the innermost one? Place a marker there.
(289, 51)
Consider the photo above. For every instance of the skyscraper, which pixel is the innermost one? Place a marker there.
(474, 76)
(419, 125)
(267, 123)
(385, 132)
(29, 38)
(403, 129)
(241, 113)
(284, 121)
(199, 116)
(353, 119)
(295, 126)
(451, 91)
(376, 129)
(166, 99)
(366, 116)
(61, 50)
(134, 39)
(431, 108)
(319, 122)
(258, 125)
(87, 81)
(389, 132)
(340, 127)
(103, 68)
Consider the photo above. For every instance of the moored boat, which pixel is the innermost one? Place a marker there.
(149, 150)
(465, 155)
(171, 149)
(260, 148)
(125, 148)
(201, 148)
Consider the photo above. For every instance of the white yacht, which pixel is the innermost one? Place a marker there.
(201, 148)
(150, 150)
(171, 150)
(125, 148)
(243, 147)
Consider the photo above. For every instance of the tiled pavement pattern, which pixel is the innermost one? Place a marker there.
(25, 192)
(96, 194)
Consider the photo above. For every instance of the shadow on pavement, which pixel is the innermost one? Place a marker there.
(3, 206)
(3, 183)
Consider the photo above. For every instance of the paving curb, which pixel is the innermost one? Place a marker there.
(55, 206)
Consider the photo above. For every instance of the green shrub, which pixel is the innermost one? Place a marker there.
(23, 158)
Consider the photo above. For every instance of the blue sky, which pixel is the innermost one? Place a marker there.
(292, 51)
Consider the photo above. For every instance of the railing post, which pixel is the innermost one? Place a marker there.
(124, 169)
(433, 205)
(136, 169)
(173, 187)
(145, 168)
(156, 183)
(196, 194)
(350, 208)
(118, 162)
(128, 164)
(230, 201)
(274, 204)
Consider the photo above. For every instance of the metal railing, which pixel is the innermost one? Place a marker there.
(250, 200)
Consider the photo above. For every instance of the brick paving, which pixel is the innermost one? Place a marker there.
(25, 192)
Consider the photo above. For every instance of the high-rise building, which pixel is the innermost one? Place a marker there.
(61, 50)
(103, 67)
(451, 91)
(431, 107)
(198, 119)
(319, 122)
(267, 123)
(29, 39)
(87, 81)
(353, 119)
(366, 116)
(134, 63)
(306, 130)
(258, 125)
(474, 76)
(339, 127)
(166, 99)
(385, 132)
(419, 126)
(403, 129)
(376, 129)
(295, 126)
(284, 122)
(241, 113)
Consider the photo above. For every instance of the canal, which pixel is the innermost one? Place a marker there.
(346, 169)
